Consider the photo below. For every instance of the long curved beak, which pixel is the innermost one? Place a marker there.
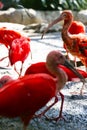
(72, 68)
(51, 24)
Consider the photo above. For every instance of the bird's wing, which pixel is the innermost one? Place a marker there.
(27, 92)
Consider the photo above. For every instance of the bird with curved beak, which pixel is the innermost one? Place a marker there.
(76, 44)
(27, 94)
(48, 68)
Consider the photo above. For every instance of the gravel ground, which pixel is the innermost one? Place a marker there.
(75, 105)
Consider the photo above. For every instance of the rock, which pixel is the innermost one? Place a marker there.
(39, 28)
(21, 16)
(37, 18)
(82, 16)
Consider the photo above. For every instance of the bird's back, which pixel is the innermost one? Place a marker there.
(36, 68)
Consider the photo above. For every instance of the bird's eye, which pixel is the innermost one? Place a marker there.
(64, 15)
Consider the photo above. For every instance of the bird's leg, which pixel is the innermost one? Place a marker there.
(16, 70)
(26, 119)
(43, 113)
(3, 58)
(19, 74)
(24, 127)
(61, 108)
(21, 69)
(86, 68)
(81, 91)
(75, 61)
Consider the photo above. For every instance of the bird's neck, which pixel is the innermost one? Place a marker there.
(59, 74)
(65, 35)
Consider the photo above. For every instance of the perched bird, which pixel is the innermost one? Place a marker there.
(76, 44)
(26, 95)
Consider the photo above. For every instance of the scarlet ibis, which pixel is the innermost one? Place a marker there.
(76, 27)
(6, 38)
(19, 51)
(40, 67)
(26, 95)
(18, 46)
(77, 43)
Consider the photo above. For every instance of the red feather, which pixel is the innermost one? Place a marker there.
(40, 67)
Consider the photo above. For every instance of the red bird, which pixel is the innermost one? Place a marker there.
(26, 95)
(40, 67)
(18, 46)
(76, 27)
(19, 51)
(6, 38)
(76, 44)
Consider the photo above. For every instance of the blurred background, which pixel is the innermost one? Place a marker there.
(75, 5)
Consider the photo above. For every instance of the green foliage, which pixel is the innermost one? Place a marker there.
(8, 3)
(55, 4)
(48, 4)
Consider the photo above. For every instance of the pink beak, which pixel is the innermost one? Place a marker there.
(51, 24)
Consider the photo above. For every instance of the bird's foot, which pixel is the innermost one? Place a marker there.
(38, 116)
(55, 118)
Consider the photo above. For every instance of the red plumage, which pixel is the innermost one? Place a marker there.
(19, 50)
(18, 46)
(26, 95)
(40, 67)
(7, 36)
(73, 43)
(77, 27)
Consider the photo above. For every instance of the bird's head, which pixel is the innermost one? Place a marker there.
(66, 15)
(55, 58)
